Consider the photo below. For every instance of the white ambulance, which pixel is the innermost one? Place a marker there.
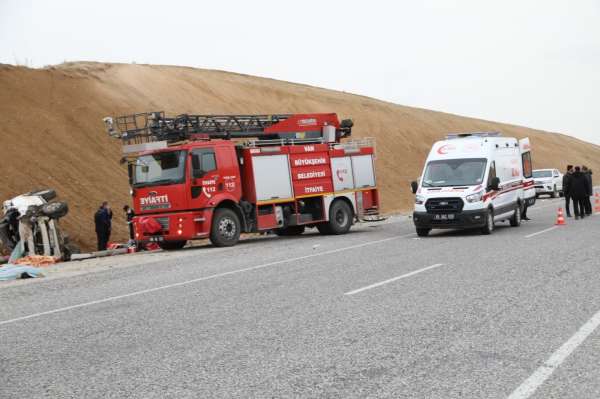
(474, 180)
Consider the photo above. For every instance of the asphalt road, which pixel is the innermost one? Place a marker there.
(377, 313)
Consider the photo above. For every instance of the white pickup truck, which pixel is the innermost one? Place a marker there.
(548, 181)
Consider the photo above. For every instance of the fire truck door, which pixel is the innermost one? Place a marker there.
(205, 180)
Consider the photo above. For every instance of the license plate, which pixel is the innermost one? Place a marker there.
(444, 216)
(157, 238)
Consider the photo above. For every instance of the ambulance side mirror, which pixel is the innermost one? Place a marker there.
(495, 184)
(414, 186)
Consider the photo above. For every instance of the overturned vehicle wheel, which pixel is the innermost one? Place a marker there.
(55, 210)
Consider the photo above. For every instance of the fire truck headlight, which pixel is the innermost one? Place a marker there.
(179, 232)
(475, 197)
(419, 199)
(137, 235)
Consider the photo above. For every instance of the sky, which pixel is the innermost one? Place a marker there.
(534, 63)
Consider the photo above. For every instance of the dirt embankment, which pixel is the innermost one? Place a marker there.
(52, 133)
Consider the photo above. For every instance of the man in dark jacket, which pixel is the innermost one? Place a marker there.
(566, 186)
(103, 221)
(588, 201)
(579, 189)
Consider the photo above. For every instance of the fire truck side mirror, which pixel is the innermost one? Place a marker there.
(196, 167)
(195, 162)
(130, 171)
(414, 186)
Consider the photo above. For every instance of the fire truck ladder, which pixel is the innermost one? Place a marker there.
(154, 126)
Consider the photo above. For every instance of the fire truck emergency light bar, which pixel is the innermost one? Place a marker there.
(154, 126)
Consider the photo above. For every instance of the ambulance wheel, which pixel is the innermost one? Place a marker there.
(290, 231)
(340, 219)
(171, 245)
(423, 232)
(515, 220)
(489, 223)
(225, 230)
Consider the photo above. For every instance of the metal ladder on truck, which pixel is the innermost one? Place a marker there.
(149, 127)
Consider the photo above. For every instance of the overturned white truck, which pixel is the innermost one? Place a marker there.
(31, 221)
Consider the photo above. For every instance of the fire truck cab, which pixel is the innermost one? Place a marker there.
(192, 180)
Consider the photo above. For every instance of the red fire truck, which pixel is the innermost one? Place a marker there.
(216, 176)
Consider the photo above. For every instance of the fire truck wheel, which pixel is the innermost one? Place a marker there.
(172, 245)
(340, 219)
(225, 230)
(290, 231)
(55, 210)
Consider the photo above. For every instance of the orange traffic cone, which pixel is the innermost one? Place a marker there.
(560, 219)
(597, 203)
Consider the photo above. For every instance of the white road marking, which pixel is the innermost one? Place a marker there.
(542, 232)
(528, 388)
(368, 287)
(213, 276)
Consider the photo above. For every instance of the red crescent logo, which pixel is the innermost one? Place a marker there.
(443, 150)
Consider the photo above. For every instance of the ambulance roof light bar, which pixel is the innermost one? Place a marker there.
(452, 136)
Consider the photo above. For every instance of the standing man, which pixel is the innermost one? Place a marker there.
(129, 214)
(566, 187)
(579, 190)
(588, 201)
(102, 220)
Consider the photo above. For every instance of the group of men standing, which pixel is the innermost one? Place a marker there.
(578, 187)
(103, 223)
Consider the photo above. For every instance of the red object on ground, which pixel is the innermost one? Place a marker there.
(152, 246)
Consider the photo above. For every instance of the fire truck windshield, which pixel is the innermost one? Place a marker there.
(160, 168)
(454, 172)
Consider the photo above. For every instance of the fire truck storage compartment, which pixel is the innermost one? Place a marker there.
(341, 169)
(362, 167)
(368, 198)
(268, 217)
(271, 177)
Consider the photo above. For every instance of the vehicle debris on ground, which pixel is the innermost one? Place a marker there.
(29, 230)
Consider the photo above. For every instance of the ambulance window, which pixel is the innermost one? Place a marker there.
(492, 173)
(527, 169)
